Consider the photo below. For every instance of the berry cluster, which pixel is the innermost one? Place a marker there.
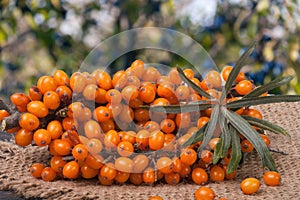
(100, 126)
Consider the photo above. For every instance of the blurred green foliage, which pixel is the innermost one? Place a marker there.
(38, 36)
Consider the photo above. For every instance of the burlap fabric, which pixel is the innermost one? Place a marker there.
(15, 162)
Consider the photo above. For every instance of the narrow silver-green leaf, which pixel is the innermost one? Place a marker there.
(236, 69)
(269, 86)
(244, 128)
(211, 126)
(266, 125)
(226, 139)
(178, 108)
(251, 101)
(196, 137)
(217, 151)
(236, 154)
(192, 84)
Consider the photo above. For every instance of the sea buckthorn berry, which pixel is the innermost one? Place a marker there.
(253, 113)
(189, 73)
(37, 108)
(213, 143)
(89, 92)
(214, 78)
(226, 71)
(79, 152)
(104, 181)
(107, 125)
(42, 137)
(135, 103)
(137, 68)
(150, 74)
(129, 136)
(94, 161)
(250, 185)
(141, 115)
(55, 129)
(151, 126)
(124, 164)
(126, 115)
(35, 94)
(136, 178)
(155, 198)
(207, 156)
(205, 193)
(71, 170)
(183, 120)
(92, 129)
(147, 93)
(57, 163)
(120, 80)
(199, 176)
(36, 170)
(202, 121)
(172, 178)
(46, 83)
(69, 124)
(75, 109)
(217, 174)
(48, 174)
(174, 76)
(231, 175)
(177, 165)
(185, 170)
(77, 82)
(149, 175)
(122, 177)
(164, 165)
(239, 111)
(51, 100)
(156, 140)
(94, 146)
(19, 99)
(188, 156)
(166, 90)
(3, 114)
(61, 78)
(266, 139)
(167, 126)
(115, 109)
(23, 137)
(100, 96)
(102, 113)
(103, 80)
(169, 143)
(142, 139)
(113, 96)
(22, 108)
(134, 80)
(64, 93)
(140, 162)
(271, 178)
(108, 171)
(88, 172)
(194, 97)
(246, 146)
(129, 92)
(182, 92)
(125, 149)
(111, 139)
(62, 147)
(244, 87)
(227, 157)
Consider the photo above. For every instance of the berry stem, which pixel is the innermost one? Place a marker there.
(10, 121)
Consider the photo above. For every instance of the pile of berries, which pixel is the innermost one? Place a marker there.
(95, 125)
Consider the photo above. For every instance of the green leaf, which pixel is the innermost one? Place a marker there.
(211, 126)
(217, 151)
(192, 84)
(251, 101)
(244, 128)
(178, 108)
(226, 139)
(266, 125)
(196, 137)
(236, 69)
(269, 86)
(236, 154)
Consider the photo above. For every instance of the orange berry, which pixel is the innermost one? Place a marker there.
(188, 156)
(156, 140)
(108, 171)
(124, 164)
(35, 94)
(250, 185)
(57, 163)
(37, 108)
(199, 176)
(36, 170)
(48, 174)
(205, 193)
(20, 99)
(217, 174)
(271, 178)
(55, 129)
(164, 165)
(61, 78)
(246, 146)
(23, 137)
(46, 83)
(71, 170)
(125, 149)
(172, 178)
(51, 100)
(149, 175)
(62, 147)
(214, 78)
(244, 87)
(102, 114)
(88, 172)
(79, 152)
(42, 137)
(140, 162)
